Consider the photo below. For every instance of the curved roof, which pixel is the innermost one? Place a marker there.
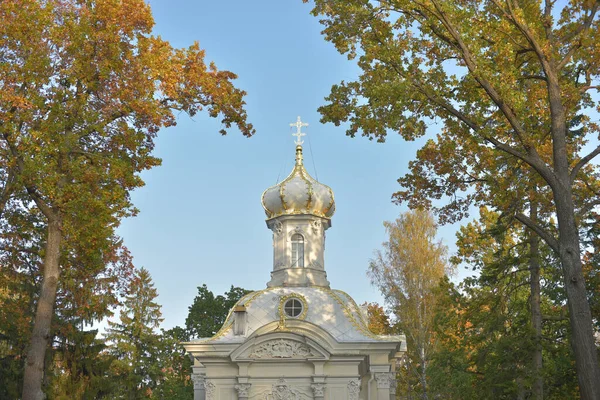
(299, 193)
(331, 310)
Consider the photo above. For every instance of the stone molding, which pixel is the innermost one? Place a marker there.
(282, 348)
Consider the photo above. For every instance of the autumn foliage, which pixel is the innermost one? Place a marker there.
(85, 88)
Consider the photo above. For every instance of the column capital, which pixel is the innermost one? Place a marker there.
(384, 379)
(318, 389)
(243, 390)
(199, 381)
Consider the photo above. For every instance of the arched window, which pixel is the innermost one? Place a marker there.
(297, 250)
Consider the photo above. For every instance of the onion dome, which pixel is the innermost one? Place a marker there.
(299, 193)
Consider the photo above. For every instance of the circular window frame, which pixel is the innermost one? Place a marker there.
(293, 308)
(286, 299)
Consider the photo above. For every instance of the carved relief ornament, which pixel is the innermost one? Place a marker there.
(316, 226)
(243, 389)
(384, 379)
(282, 391)
(211, 389)
(277, 227)
(282, 348)
(199, 381)
(353, 389)
(318, 389)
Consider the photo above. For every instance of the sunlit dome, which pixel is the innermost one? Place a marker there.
(299, 193)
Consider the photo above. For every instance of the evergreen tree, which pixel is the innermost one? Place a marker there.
(135, 342)
(510, 87)
(486, 341)
(176, 383)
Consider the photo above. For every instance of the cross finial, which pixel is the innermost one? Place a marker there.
(299, 124)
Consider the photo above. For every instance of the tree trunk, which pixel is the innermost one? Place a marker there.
(536, 312)
(34, 365)
(582, 341)
(423, 372)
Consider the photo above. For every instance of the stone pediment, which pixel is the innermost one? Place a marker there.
(277, 348)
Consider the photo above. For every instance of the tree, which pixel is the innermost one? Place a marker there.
(176, 383)
(486, 341)
(505, 304)
(92, 281)
(135, 342)
(85, 89)
(510, 82)
(208, 312)
(379, 322)
(81, 368)
(408, 271)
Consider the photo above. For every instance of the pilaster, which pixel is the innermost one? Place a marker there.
(384, 383)
(199, 380)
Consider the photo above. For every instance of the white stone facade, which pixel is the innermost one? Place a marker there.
(297, 339)
(312, 229)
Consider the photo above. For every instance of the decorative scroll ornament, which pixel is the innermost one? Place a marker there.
(316, 226)
(282, 348)
(318, 389)
(282, 391)
(210, 390)
(277, 228)
(199, 381)
(243, 389)
(383, 380)
(353, 389)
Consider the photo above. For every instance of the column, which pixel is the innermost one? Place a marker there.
(393, 386)
(199, 386)
(383, 385)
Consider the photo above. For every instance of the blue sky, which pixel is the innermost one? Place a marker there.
(200, 217)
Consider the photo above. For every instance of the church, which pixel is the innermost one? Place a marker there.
(297, 339)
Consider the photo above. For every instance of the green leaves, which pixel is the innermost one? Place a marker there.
(85, 89)
(208, 312)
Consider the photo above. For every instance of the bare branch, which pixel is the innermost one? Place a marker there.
(541, 232)
(583, 161)
(581, 30)
(485, 84)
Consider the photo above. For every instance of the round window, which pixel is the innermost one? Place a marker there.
(292, 308)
